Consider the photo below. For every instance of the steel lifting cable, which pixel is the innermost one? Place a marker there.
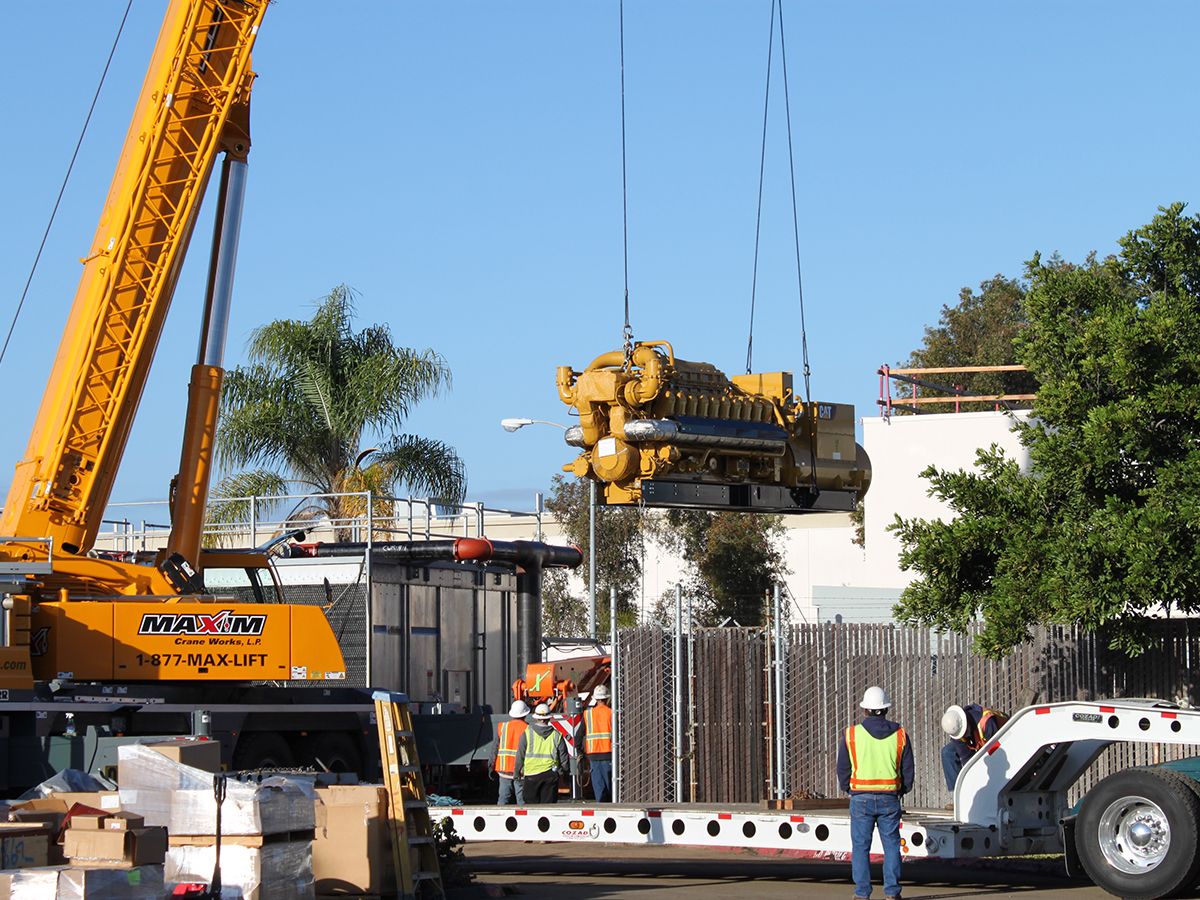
(627, 332)
(762, 165)
(807, 370)
(58, 200)
(787, 105)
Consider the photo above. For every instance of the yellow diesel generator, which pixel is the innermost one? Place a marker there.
(661, 431)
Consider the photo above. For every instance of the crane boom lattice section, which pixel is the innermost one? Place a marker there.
(192, 107)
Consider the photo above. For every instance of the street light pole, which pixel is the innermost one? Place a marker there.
(592, 558)
(518, 423)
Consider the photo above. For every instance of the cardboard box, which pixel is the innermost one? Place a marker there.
(123, 821)
(24, 846)
(116, 849)
(88, 821)
(351, 851)
(199, 753)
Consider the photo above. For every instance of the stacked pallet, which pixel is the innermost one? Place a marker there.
(265, 826)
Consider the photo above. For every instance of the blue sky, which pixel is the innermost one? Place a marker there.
(459, 165)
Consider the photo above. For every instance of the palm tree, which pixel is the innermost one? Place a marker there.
(299, 412)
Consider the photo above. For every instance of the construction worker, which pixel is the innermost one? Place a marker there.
(875, 767)
(504, 753)
(969, 728)
(541, 758)
(598, 745)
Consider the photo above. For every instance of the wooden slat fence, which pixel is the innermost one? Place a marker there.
(826, 669)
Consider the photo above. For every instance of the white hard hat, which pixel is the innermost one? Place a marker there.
(954, 722)
(601, 692)
(875, 698)
(541, 711)
(518, 710)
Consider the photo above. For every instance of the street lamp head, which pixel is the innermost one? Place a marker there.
(514, 424)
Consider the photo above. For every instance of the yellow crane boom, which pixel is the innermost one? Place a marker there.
(73, 617)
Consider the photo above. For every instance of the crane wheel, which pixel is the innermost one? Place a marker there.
(334, 751)
(1138, 833)
(262, 750)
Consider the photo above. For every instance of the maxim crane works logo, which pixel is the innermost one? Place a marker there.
(223, 623)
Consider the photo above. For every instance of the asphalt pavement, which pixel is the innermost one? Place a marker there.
(603, 872)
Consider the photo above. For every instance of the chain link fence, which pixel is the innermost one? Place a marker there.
(732, 752)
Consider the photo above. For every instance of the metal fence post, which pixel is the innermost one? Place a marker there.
(616, 693)
(780, 743)
(253, 521)
(693, 727)
(677, 691)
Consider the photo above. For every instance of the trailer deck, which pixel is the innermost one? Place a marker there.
(822, 831)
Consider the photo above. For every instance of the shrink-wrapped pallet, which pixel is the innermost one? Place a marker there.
(277, 871)
(75, 883)
(180, 797)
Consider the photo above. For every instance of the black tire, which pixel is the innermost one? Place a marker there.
(262, 750)
(335, 751)
(1138, 833)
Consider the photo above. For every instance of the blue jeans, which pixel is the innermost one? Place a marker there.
(952, 763)
(602, 780)
(867, 812)
(509, 787)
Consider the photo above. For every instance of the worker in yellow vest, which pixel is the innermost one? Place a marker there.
(504, 753)
(598, 743)
(969, 727)
(541, 758)
(875, 767)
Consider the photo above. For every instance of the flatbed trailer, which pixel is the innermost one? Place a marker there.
(1136, 833)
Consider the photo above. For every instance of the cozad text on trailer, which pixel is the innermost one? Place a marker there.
(1136, 833)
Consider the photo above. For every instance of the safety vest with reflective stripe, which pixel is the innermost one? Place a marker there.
(986, 716)
(508, 736)
(874, 762)
(541, 752)
(597, 722)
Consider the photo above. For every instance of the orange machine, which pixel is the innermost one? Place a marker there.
(72, 616)
(553, 683)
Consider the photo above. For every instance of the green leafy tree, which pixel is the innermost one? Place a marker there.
(736, 559)
(620, 532)
(1103, 529)
(315, 391)
(981, 330)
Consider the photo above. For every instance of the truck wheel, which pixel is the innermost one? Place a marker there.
(1138, 833)
(262, 750)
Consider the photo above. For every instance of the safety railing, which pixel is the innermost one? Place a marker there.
(130, 527)
(946, 395)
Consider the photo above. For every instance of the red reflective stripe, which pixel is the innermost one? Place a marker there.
(521, 812)
(587, 812)
(1108, 709)
(992, 749)
(724, 815)
(654, 813)
(1041, 710)
(1170, 715)
(796, 818)
(456, 812)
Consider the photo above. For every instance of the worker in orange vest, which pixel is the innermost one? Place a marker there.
(598, 743)
(504, 753)
(969, 727)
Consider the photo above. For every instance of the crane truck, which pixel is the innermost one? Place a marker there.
(98, 648)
